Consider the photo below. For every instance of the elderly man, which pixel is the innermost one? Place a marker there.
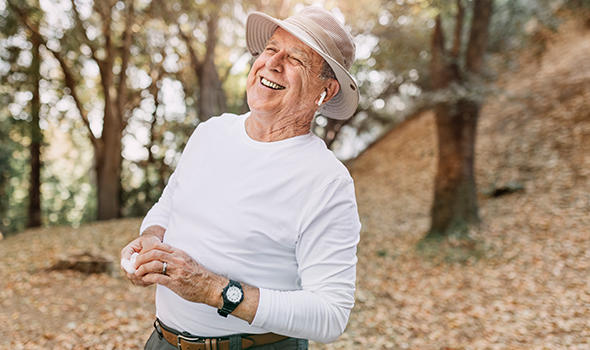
(259, 220)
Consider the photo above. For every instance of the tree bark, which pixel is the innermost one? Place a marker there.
(458, 30)
(34, 208)
(212, 99)
(108, 171)
(478, 37)
(107, 147)
(454, 206)
(108, 157)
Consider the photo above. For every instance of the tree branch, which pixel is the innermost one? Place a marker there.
(193, 55)
(71, 84)
(211, 41)
(156, 74)
(125, 53)
(184, 36)
(104, 10)
(69, 78)
(81, 28)
(438, 66)
(478, 38)
(458, 29)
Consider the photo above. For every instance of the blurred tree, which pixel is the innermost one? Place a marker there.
(454, 205)
(5, 171)
(196, 23)
(111, 52)
(22, 80)
(34, 208)
(122, 61)
(9, 56)
(179, 47)
(394, 54)
(203, 37)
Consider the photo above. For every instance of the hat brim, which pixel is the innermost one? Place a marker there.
(260, 27)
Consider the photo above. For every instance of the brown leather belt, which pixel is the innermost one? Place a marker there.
(184, 342)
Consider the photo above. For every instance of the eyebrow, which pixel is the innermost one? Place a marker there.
(295, 50)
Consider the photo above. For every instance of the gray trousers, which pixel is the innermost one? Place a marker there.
(156, 342)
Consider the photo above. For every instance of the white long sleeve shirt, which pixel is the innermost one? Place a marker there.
(280, 216)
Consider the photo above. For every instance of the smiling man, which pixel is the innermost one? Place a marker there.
(253, 242)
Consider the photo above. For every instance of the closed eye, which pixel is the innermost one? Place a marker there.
(296, 60)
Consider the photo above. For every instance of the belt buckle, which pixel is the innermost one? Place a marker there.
(180, 338)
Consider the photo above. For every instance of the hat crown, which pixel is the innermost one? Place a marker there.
(327, 32)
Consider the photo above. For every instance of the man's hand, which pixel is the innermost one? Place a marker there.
(151, 237)
(185, 276)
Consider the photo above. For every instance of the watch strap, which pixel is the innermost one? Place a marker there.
(225, 310)
(228, 306)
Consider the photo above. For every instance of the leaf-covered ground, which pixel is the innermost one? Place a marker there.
(522, 283)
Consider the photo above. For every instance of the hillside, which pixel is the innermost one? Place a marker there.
(525, 287)
(530, 289)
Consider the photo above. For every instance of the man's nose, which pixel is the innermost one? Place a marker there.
(276, 61)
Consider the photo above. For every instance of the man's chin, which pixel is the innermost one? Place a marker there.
(263, 101)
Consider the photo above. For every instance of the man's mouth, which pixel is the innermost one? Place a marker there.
(271, 84)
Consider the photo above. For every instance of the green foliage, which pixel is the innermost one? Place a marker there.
(392, 73)
(6, 149)
(13, 161)
(515, 22)
(13, 155)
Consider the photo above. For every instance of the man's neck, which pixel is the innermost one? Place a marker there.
(268, 128)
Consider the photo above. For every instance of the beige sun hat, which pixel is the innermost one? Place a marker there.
(318, 29)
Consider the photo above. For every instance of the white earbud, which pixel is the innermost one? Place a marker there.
(322, 97)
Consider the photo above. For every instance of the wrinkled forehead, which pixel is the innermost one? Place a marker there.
(282, 36)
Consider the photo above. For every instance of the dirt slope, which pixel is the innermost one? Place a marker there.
(530, 289)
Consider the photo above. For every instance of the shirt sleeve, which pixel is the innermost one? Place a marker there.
(326, 256)
(160, 212)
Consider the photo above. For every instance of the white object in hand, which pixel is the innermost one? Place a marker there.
(129, 264)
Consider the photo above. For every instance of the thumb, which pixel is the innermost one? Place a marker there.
(148, 243)
(132, 247)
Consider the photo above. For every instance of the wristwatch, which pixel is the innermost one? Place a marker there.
(232, 294)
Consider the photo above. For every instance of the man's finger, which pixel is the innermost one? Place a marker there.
(156, 244)
(152, 255)
(156, 278)
(133, 246)
(153, 266)
(127, 252)
(136, 280)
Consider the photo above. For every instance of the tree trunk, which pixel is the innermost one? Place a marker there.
(454, 206)
(478, 37)
(108, 156)
(34, 209)
(108, 171)
(212, 101)
(107, 148)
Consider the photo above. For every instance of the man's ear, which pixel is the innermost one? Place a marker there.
(332, 89)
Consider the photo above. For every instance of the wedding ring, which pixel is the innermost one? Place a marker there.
(164, 267)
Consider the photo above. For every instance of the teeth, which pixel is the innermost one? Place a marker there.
(271, 85)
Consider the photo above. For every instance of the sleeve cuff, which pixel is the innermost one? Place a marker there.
(146, 224)
(264, 305)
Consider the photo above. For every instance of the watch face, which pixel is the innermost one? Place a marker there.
(234, 294)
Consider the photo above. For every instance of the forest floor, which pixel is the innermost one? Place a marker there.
(521, 282)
